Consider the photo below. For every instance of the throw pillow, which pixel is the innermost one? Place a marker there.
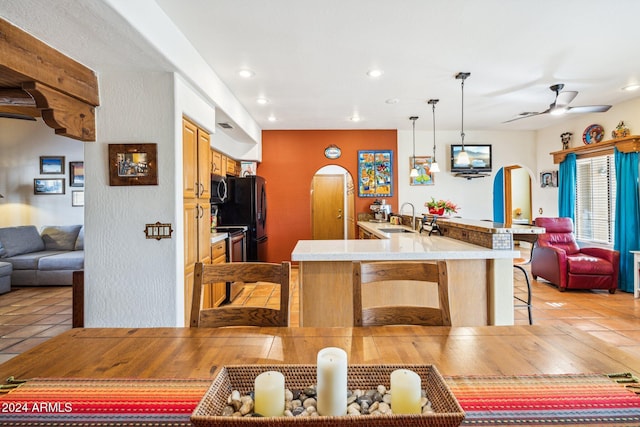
(61, 237)
(80, 240)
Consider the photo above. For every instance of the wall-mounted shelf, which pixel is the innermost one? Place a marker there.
(628, 144)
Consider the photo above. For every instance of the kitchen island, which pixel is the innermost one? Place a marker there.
(480, 279)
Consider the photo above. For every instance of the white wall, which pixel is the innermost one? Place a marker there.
(22, 143)
(130, 280)
(475, 196)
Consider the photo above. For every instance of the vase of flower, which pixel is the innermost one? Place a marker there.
(440, 207)
(436, 211)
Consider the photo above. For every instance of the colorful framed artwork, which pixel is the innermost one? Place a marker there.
(48, 186)
(423, 165)
(76, 174)
(375, 173)
(51, 165)
(548, 179)
(133, 164)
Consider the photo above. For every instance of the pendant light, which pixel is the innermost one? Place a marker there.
(414, 171)
(434, 163)
(463, 157)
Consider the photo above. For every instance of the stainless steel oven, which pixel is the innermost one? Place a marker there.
(236, 252)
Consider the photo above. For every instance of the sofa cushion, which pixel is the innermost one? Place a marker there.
(60, 237)
(80, 240)
(29, 261)
(73, 260)
(20, 240)
(586, 264)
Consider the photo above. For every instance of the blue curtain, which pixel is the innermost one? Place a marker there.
(627, 228)
(567, 187)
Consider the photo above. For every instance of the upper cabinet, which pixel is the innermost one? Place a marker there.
(223, 165)
(196, 178)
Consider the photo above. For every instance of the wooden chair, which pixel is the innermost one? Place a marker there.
(248, 272)
(369, 272)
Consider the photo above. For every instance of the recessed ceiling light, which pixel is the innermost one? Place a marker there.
(355, 118)
(246, 73)
(262, 101)
(632, 87)
(392, 101)
(272, 118)
(375, 73)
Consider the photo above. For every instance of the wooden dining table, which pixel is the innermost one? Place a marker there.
(199, 353)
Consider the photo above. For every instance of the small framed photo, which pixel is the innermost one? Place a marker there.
(48, 186)
(76, 174)
(133, 164)
(52, 165)
(548, 179)
(77, 198)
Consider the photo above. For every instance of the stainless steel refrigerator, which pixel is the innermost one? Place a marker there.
(247, 205)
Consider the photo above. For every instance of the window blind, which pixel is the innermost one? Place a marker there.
(595, 199)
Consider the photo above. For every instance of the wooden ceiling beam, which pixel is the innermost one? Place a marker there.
(68, 116)
(64, 91)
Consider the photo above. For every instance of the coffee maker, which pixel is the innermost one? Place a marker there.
(381, 211)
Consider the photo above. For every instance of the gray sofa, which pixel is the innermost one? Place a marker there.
(46, 258)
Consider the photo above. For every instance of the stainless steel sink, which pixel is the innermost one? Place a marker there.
(395, 230)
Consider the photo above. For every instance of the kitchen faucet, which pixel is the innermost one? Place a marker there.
(413, 214)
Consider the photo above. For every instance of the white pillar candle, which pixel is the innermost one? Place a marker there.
(269, 394)
(332, 382)
(405, 392)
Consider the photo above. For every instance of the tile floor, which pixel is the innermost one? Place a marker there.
(29, 316)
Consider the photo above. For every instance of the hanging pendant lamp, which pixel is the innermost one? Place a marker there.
(434, 163)
(463, 157)
(414, 171)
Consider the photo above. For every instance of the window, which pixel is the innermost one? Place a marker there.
(596, 199)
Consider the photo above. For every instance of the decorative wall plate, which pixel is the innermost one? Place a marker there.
(592, 134)
(332, 152)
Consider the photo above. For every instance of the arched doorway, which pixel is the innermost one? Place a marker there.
(512, 195)
(332, 204)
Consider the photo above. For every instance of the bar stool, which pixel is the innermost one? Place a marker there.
(519, 263)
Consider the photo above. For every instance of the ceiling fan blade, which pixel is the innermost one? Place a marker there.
(564, 98)
(589, 109)
(523, 116)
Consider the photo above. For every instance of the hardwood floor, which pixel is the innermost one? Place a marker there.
(30, 316)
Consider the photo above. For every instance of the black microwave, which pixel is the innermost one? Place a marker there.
(219, 189)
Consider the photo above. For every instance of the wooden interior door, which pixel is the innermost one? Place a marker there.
(327, 207)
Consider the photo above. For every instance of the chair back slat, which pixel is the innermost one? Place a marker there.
(247, 272)
(365, 273)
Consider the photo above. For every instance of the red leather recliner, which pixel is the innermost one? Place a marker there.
(557, 258)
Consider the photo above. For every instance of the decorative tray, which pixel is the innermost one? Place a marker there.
(447, 411)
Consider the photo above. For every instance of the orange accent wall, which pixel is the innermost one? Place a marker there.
(290, 158)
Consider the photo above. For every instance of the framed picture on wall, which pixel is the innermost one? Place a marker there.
(375, 173)
(133, 164)
(76, 174)
(77, 198)
(51, 165)
(48, 186)
(423, 165)
(548, 179)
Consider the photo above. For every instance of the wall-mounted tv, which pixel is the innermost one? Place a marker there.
(479, 158)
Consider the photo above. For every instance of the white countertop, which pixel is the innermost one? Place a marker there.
(493, 227)
(393, 246)
(216, 237)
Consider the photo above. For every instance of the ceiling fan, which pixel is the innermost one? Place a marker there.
(561, 105)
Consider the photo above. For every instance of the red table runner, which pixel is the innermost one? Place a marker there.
(487, 400)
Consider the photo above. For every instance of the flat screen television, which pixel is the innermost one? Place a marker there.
(479, 158)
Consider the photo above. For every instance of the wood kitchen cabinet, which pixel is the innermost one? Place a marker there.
(232, 168)
(218, 290)
(216, 162)
(364, 234)
(196, 153)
